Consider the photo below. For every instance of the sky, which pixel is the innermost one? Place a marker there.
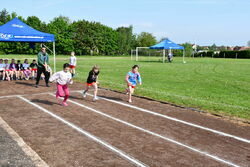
(204, 22)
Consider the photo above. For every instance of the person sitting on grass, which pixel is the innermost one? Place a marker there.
(33, 68)
(2, 72)
(26, 69)
(19, 70)
(62, 78)
(92, 81)
(131, 79)
(6, 70)
(12, 69)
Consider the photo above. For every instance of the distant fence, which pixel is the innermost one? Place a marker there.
(245, 54)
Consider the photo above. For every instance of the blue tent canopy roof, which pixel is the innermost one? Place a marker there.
(166, 44)
(17, 31)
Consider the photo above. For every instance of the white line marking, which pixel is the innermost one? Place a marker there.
(153, 133)
(27, 149)
(14, 96)
(177, 120)
(89, 135)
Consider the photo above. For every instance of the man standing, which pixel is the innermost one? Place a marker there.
(42, 66)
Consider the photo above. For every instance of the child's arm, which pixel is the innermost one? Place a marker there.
(54, 77)
(126, 79)
(70, 80)
(139, 78)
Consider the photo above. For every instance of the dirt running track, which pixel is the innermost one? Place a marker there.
(150, 134)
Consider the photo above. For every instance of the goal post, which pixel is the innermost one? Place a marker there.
(137, 48)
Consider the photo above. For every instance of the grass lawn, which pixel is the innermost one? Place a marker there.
(220, 86)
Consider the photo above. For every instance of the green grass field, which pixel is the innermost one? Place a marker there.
(219, 86)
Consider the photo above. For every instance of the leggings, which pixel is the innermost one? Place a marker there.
(62, 91)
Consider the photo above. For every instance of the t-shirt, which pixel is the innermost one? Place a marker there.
(2, 66)
(12, 66)
(92, 76)
(72, 60)
(7, 66)
(61, 77)
(25, 66)
(19, 66)
(133, 77)
(33, 65)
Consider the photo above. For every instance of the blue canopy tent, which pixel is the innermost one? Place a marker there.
(17, 31)
(168, 45)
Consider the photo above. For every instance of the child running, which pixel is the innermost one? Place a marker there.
(92, 81)
(132, 78)
(63, 78)
(72, 64)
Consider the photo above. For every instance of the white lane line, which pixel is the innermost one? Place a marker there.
(89, 135)
(26, 149)
(154, 134)
(176, 120)
(14, 96)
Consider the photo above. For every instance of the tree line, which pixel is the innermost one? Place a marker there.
(82, 36)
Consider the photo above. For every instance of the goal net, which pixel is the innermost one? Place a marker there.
(146, 54)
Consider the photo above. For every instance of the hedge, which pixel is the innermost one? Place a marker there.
(245, 54)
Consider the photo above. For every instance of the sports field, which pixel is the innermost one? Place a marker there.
(219, 86)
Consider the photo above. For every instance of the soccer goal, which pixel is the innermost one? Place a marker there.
(146, 54)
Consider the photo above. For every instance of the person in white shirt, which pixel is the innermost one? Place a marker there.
(62, 78)
(72, 63)
(2, 68)
(26, 69)
(6, 70)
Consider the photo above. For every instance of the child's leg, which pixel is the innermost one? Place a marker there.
(3, 75)
(95, 89)
(60, 91)
(66, 92)
(11, 74)
(32, 73)
(131, 91)
(86, 89)
(7, 75)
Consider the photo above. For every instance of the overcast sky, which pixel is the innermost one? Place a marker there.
(223, 22)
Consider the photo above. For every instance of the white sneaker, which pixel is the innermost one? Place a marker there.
(84, 94)
(130, 101)
(95, 99)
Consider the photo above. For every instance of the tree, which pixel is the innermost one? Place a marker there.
(145, 39)
(125, 39)
(60, 27)
(4, 16)
(213, 47)
(188, 49)
(36, 23)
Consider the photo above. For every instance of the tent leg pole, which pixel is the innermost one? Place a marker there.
(183, 57)
(136, 56)
(164, 55)
(54, 52)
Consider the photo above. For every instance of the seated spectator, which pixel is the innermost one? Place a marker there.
(26, 69)
(33, 68)
(12, 69)
(6, 70)
(19, 70)
(2, 72)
